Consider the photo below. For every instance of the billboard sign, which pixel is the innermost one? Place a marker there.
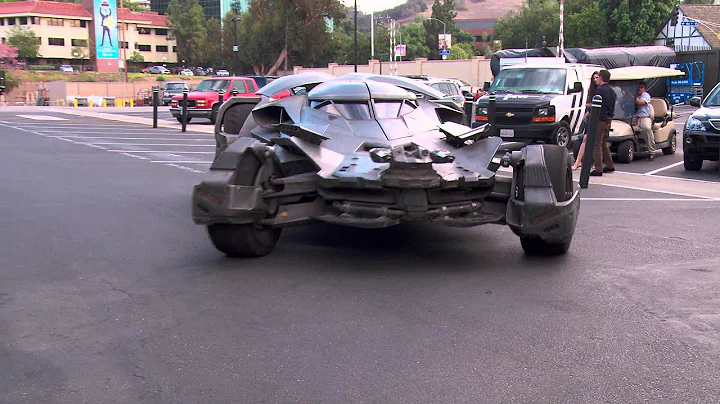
(106, 29)
(401, 50)
(446, 42)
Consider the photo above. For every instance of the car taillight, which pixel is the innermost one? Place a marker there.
(280, 95)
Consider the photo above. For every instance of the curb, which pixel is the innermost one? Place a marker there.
(130, 119)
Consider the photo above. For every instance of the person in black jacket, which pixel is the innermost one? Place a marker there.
(601, 151)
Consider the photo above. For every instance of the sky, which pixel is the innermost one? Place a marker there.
(367, 6)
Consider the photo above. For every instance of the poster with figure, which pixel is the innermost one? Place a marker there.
(106, 33)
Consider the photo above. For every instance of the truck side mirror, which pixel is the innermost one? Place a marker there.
(486, 86)
(695, 101)
(577, 87)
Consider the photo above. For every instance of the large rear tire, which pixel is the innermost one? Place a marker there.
(235, 117)
(253, 239)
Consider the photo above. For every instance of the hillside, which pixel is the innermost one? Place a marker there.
(466, 9)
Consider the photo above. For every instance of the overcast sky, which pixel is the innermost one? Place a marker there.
(367, 6)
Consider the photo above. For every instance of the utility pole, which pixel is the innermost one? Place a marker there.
(561, 41)
(286, 37)
(372, 35)
(236, 48)
(355, 36)
(122, 40)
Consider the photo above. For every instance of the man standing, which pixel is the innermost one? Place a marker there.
(644, 119)
(601, 151)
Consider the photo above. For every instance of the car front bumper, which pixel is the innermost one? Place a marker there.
(702, 145)
(192, 112)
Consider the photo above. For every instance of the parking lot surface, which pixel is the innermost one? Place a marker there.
(109, 292)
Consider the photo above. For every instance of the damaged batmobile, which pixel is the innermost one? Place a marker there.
(373, 151)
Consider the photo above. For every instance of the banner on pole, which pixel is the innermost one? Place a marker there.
(106, 29)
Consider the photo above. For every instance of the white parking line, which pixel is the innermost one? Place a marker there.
(132, 155)
(663, 168)
(652, 199)
(151, 144)
(156, 132)
(4, 122)
(655, 190)
(670, 178)
(185, 168)
(162, 151)
(94, 145)
(181, 162)
(203, 139)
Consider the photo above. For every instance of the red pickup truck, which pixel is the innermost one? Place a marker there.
(203, 101)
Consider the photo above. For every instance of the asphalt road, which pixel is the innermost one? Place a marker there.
(109, 293)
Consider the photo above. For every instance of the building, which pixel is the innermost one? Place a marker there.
(213, 8)
(64, 32)
(482, 30)
(694, 27)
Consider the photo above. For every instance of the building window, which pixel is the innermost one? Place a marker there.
(144, 48)
(144, 31)
(161, 31)
(55, 22)
(174, 49)
(75, 23)
(2, 21)
(11, 21)
(161, 48)
(79, 42)
(23, 21)
(83, 24)
(38, 40)
(123, 45)
(56, 41)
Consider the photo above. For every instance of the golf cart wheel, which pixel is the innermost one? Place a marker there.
(537, 246)
(179, 118)
(626, 151)
(561, 136)
(692, 164)
(234, 118)
(250, 240)
(673, 145)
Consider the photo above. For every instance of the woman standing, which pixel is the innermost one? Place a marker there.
(588, 105)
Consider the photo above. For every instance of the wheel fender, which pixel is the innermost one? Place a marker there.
(533, 208)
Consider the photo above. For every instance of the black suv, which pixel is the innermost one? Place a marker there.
(701, 135)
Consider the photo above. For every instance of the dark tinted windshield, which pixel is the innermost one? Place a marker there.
(213, 85)
(540, 80)
(713, 99)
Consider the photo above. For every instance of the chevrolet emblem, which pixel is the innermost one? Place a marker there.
(509, 115)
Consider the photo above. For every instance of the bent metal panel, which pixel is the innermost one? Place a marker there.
(106, 29)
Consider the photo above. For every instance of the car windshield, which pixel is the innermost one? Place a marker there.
(625, 98)
(713, 99)
(213, 85)
(175, 86)
(543, 81)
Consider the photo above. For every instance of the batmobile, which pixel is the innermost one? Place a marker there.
(371, 152)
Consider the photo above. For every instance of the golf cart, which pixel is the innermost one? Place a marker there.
(625, 140)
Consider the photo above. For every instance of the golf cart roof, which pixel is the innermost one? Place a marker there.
(642, 73)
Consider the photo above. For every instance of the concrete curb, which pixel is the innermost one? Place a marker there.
(130, 119)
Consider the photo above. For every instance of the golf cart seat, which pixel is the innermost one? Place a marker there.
(658, 112)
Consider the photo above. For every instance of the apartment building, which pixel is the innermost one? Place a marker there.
(62, 29)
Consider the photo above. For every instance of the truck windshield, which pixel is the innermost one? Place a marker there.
(175, 86)
(535, 80)
(213, 85)
(713, 99)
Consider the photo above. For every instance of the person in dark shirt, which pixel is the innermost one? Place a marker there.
(601, 151)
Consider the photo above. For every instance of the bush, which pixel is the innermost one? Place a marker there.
(11, 81)
(161, 78)
(42, 67)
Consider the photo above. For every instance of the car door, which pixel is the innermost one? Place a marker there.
(238, 85)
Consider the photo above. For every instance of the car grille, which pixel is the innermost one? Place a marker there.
(190, 103)
(513, 116)
(715, 124)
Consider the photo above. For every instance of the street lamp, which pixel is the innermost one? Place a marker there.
(444, 37)
(235, 46)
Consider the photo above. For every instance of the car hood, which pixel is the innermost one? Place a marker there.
(707, 112)
(199, 95)
(522, 100)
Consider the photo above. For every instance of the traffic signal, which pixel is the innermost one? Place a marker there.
(674, 17)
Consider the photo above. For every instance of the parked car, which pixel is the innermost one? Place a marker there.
(186, 72)
(222, 73)
(203, 102)
(171, 89)
(701, 136)
(262, 81)
(159, 70)
(66, 69)
(200, 72)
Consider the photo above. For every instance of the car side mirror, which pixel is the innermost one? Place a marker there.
(695, 101)
(576, 88)
(469, 97)
(486, 86)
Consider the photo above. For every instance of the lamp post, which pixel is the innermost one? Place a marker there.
(355, 36)
(444, 37)
(235, 45)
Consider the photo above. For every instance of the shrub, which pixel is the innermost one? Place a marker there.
(42, 67)
(161, 78)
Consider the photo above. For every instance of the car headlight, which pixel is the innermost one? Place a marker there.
(481, 111)
(543, 111)
(694, 124)
(201, 103)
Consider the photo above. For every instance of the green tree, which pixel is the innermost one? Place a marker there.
(213, 54)
(24, 39)
(136, 57)
(132, 6)
(188, 27)
(444, 12)
(583, 28)
(540, 17)
(415, 37)
(635, 22)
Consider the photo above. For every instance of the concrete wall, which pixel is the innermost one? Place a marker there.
(475, 71)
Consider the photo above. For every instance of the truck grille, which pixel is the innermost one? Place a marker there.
(191, 103)
(513, 116)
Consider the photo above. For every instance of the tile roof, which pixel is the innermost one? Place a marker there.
(45, 8)
(143, 17)
(708, 14)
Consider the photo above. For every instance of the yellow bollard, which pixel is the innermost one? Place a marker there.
(75, 103)
(89, 102)
(132, 102)
(104, 102)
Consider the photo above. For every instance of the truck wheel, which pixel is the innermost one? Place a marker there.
(692, 164)
(246, 240)
(561, 136)
(179, 118)
(235, 117)
(673, 145)
(559, 165)
(213, 114)
(626, 151)
(537, 246)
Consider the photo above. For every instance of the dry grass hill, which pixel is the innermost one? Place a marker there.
(466, 9)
